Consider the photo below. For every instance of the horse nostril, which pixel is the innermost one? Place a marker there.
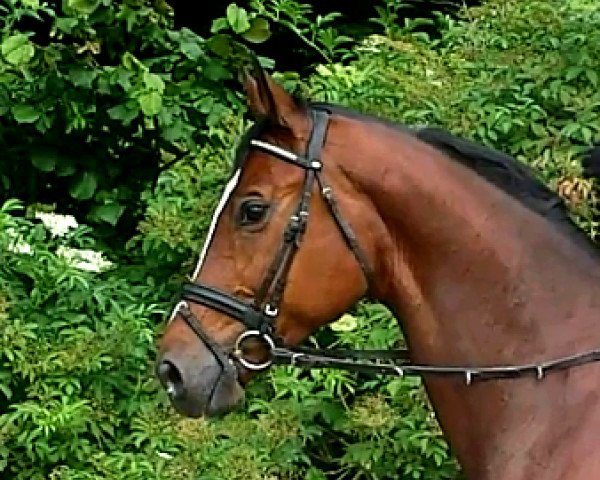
(170, 377)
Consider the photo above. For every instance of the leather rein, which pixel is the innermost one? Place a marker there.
(260, 315)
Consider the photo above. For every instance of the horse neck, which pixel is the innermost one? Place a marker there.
(476, 279)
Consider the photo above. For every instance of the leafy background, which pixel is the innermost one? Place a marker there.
(112, 113)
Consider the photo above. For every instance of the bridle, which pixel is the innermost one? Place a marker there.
(260, 315)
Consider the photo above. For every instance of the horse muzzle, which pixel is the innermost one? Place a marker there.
(199, 387)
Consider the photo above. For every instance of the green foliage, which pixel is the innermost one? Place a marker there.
(317, 33)
(179, 209)
(363, 427)
(389, 14)
(76, 340)
(113, 95)
(352, 427)
(96, 96)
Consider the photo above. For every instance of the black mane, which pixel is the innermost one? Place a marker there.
(591, 163)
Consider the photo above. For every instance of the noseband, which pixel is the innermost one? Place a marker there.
(260, 315)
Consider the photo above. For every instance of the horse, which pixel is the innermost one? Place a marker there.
(496, 290)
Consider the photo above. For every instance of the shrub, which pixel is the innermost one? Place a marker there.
(76, 339)
(96, 97)
(77, 397)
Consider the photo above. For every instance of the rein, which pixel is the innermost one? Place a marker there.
(259, 316)
(370, 362)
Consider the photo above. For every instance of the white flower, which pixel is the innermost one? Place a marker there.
(17, 244)
(21, 247)
(88, 260)
(58, 225)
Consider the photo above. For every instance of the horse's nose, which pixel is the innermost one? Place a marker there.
(171, 379)
(198, 384)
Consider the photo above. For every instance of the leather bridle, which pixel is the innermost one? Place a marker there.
(259, 315)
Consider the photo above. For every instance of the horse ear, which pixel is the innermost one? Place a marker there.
(266, 98)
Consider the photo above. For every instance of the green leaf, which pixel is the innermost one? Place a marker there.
(65, 167)
(587, 134)
(123, 113)
(150, 103)
(539, 130)
(154, 82)
(592, 76)
(65, 24)
(44, 159)
(118, 112)
(215, 71)
(82, 77)
(573, 72)
(217, 113)
(25, 113)
(221, 45)
(84, 7)
(6, 391)
(109, 213)
(176, 131)
(314, 473)
(346, 323)
(205, 104)
(17, 50)
(219, 24)
(122, 78)
(191, 50)
(84, 186)
(259, 31)
(130, 62)
(237, 18)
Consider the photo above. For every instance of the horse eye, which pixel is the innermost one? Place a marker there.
(252, 212)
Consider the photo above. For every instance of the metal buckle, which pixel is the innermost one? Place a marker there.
(237, 352)
(271, 311)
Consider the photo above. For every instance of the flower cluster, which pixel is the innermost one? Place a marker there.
(17, 244)
(88, 260)
(58, 225)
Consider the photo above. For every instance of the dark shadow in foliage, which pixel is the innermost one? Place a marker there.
(591, 163)
(289, 51)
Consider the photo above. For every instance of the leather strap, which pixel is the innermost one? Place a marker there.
(223, 302)
(272, 288)
(347, 233)
(370, 363)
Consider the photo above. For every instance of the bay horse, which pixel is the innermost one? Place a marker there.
(497, 292)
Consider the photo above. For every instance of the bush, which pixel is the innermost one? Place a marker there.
(377, 428)
(76, 341)
(77, 396)
(96, 97)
